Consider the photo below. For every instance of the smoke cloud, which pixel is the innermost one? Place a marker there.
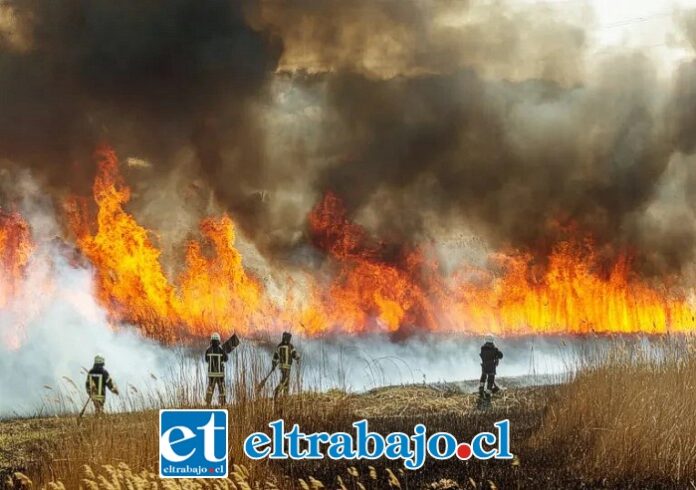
(496, 118)
(426, 118)
(419, 115)
(154, 81)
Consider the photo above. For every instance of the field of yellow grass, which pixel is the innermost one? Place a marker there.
(624, 419)
(124, 446)
(629, 413)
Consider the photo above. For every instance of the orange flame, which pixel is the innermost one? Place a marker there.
(16, 247)
(130, 281)
(214, 293)
(371, 289)
(572, 296)
(365, 285)
(216, 290)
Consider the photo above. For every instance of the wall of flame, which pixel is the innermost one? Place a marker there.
(365, 285)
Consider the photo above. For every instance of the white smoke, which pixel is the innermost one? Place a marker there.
(52, 331)
(54, 326)
(360, 363)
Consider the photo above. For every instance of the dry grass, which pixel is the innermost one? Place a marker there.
(128, 439)
(123, 447)
(625, 417)
(629, 413)
(118, 477)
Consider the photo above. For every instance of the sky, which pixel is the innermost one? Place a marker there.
(646, 24)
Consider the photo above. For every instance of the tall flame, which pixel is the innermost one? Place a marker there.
(374, 287)
(214, 292)
(572, 296)
(16, 247)
(364, 285)
(129, 277)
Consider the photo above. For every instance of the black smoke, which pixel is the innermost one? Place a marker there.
(414, 113)
(147, 77)
(503, 123)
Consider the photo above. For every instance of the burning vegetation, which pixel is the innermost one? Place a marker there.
(362, 284)
(15, 249)
(339, 140)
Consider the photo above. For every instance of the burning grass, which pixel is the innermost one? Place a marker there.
(362, 284)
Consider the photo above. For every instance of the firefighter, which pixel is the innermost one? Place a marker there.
(215, 357)
(284, 354)
(98, 380)
(490, 356)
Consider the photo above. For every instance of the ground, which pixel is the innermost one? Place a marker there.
(35, 446)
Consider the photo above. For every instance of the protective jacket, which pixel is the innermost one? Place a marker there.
(490, 355)
(284, 354)
(216, 357)
(98, 380)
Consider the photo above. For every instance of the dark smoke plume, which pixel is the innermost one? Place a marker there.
(417, 114)
(501, 122)
(148, 77)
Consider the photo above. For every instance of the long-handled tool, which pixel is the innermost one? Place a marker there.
(89, 396)
(263, 381)
(82, 412)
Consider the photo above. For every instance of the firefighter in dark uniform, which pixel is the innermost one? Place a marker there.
(215, 357)
(98, 380)
(284, 354)
(490, 356)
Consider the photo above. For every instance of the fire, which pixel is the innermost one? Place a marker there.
(371, 289)
(129, 277)
(16, 247)
(572, 296)
(364, 285)
(214, 292)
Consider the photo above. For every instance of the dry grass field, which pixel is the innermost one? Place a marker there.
(630, 414)
(624, 419)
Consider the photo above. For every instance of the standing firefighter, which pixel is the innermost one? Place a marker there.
(215, 357)
(490, 355)
(284, 354)
(98, 380)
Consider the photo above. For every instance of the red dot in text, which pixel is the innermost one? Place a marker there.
(463, 451)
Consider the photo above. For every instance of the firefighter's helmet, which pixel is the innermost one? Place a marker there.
(490, 339)
(215, 337)
(286, 337)
(99, 359)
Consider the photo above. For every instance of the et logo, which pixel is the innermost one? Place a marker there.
(193, 444)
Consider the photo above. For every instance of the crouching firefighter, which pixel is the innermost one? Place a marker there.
(215, 357)
(284, 354)
(490, 356)
(98, 380)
